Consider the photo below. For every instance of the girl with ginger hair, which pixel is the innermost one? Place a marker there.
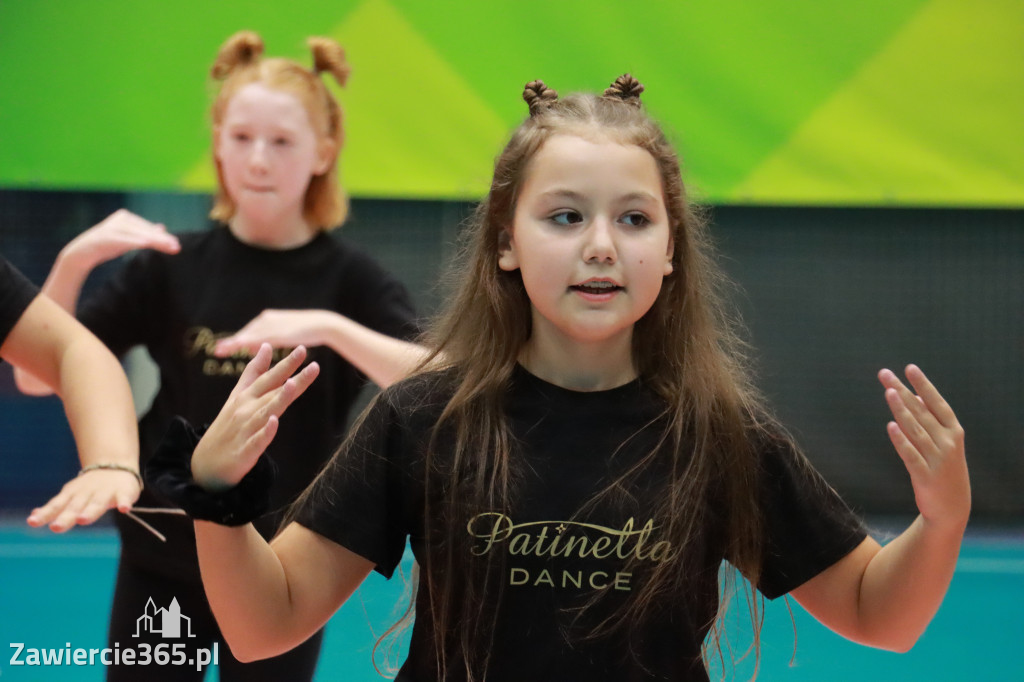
(200, 302)
(587, 454)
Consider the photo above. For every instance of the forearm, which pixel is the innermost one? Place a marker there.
(63, 286)
(247, 590)
(382, 358)
(269, 598)
(905, 582)
(98, 402)
(64, 283)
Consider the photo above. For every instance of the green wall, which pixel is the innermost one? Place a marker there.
(879, 102)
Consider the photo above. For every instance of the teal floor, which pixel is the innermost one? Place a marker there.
(55, 590)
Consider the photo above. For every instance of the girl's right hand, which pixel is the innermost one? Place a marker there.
(120, 232)
(248, 421)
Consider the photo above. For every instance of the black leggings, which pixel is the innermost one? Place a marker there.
(132, 615)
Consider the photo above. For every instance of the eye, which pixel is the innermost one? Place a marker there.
(240, 136)
(566, 217)
(282, 141)
(636, 219)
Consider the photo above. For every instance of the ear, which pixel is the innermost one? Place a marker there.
(327, 154)
(507, 258)
(668, 256)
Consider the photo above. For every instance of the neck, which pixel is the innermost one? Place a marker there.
(591, 366)
(271, 233)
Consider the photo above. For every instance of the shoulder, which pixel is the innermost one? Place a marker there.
(423, 393)
(356, 261)
(779, 458)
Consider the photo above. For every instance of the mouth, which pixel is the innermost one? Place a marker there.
(597, 287)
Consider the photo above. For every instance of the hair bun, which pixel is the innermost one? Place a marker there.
(625, 88)
(329, 56)
(538, 96)
(241, 49)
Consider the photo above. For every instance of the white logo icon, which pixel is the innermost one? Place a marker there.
(166, 622)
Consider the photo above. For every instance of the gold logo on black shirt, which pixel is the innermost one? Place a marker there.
(203, 341)
(569, 540)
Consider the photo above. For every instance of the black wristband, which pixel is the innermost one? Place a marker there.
(169, 473)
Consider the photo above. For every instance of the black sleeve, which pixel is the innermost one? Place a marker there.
(16, 293)
(383, 303)
(126, 310)
(357, 501)
(807, 525)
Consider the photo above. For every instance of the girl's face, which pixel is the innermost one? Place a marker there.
(268, 151)
(591, 238)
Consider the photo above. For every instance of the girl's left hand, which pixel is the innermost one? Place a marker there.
(248, 421)
(86, 498)
(279, 328)
(930, 441)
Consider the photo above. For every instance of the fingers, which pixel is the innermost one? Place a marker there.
(911, 412)
(257, 444)
(41, 516)
(910, 455)
(60, 512)
(229, 346)
(248, 422)
(928, 405)
(294, 387)
(909, 423)
(84, 499)
(133, 229)
(931, 397)
(274, 402)
(264, 421)
(243, 340)
(65, 511)
(279, 373)
(162, 240)
(925, 427)
(93, 509)
(256, 368)
(260, 377)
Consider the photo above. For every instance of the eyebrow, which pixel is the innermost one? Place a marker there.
(570, 194)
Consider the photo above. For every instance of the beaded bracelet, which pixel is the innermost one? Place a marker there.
(169, 473)
(115, 467)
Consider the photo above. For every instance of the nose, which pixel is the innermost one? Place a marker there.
(599, 245)
(258, 155)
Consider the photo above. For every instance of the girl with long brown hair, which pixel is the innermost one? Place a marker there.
(583, 454)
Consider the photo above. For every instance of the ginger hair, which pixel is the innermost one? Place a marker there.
(240, 62)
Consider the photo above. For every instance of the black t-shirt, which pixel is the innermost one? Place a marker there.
(16, 293)
(177, 306)
(571, 444)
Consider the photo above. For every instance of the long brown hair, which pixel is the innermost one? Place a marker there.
(686, 348)
(239, 63)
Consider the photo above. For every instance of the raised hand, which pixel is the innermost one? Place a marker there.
(279, 328)
(86, 498)
(118, 233)
(248, 421)
(930, 441)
